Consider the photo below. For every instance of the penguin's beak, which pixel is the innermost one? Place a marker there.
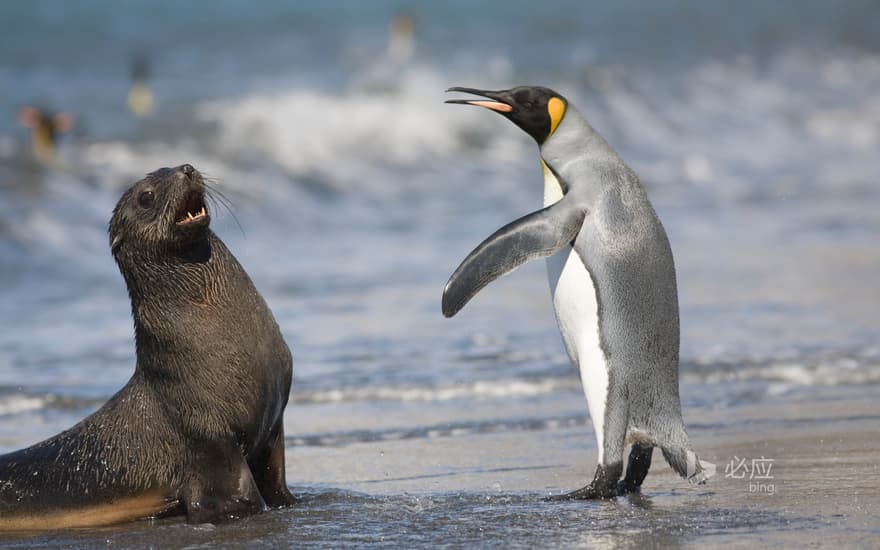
(497, 101)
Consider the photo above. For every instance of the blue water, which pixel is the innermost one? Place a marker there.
(354, 192)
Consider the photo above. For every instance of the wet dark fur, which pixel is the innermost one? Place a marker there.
(198, 427)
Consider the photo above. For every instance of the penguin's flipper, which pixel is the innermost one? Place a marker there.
(533, 236)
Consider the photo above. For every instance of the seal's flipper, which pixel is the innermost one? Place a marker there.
(536, 235)
(222, 490)
(268, 470)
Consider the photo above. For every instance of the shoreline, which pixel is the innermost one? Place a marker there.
(820, 487)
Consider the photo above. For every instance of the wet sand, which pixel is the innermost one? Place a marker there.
(812, 463)
(793, 473)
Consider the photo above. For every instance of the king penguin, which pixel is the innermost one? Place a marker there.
(612, 281)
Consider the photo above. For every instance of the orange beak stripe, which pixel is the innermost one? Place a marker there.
(494, 105)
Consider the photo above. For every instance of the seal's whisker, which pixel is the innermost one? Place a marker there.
(217, 199)
(218, 195)
(212, 186)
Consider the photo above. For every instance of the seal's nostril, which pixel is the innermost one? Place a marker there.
(187, 169)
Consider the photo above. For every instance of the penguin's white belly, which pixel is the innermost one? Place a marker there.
(577, 312)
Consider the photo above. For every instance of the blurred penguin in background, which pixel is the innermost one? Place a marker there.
(140, 97)
(46, 127)
(401, 38)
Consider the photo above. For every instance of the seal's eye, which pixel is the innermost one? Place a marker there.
(146, 199)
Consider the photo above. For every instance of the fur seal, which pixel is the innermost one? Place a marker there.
(198, 427)
(612, 280)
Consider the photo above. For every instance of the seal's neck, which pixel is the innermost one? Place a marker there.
(170, 287)
(175, 295)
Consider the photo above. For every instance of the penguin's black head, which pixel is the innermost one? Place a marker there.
(535, 109)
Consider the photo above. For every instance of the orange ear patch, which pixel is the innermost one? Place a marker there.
(556, 110)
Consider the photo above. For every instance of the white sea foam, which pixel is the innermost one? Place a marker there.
(724, 128)
(348, 134)
(15, 404)
(839, 371)
(484, 389)
(743, 129)
(861, 369)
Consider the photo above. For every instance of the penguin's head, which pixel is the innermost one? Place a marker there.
(537, 110)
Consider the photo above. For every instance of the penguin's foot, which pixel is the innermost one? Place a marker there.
(636, 470)
(603, 486)
(626, 487)
(590, 492)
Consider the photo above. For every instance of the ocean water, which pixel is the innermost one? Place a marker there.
(353, 192)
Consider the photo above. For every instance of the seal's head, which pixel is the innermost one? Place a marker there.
(164, 212)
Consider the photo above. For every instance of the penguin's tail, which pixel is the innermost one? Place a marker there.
(688, 465)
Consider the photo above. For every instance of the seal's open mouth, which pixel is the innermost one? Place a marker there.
(192, 209)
